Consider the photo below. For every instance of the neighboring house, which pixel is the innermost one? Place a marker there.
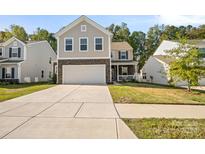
(84, 50)
(156, 67)
(26, 61)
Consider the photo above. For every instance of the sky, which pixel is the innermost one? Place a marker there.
(135, 22)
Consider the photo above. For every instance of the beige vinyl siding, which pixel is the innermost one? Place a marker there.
(115, 54)
(91, 33)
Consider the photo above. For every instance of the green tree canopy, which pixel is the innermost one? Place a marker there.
(43, 34)
(15, 30)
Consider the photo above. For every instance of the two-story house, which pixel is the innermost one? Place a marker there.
(26, 61)
(84, 51)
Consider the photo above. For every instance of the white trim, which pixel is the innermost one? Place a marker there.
(87, 44)
(19, 71)
(25, 53)
(2, 52)
(12, 39)
(65, 44)
(77, 21)
(83, 58)
(58, 46)
(98, 37)
(123, 51)
(109, 48)
(43, 41)
(81, 28)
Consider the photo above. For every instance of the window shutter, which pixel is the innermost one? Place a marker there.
(19, 52)
(126, 54)
(119, 55)
(12, 73)
(10, 52)
(3, 73)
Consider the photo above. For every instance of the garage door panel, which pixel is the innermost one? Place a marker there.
(84, 74)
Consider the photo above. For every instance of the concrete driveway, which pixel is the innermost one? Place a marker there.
(64, 111)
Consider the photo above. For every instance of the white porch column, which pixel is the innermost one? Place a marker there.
(117, 73)
(19, 72)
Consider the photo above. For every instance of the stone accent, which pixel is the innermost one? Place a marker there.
(83, 62)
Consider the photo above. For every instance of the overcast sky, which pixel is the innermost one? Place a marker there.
(135, 23)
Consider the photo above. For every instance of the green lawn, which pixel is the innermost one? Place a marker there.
(167, 128)
(154, 94)
(15, 90)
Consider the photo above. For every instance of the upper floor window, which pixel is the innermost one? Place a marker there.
(14, 52)
(83, 28)
(69, 44)
(1, 52)
(98, 44)
(83, 44)
(123, 55)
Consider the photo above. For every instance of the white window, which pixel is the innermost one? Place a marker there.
(14, 52)
(1, 52)
(83, 28)
(83, 44)
(69, 44)
(123, 55)
(98, 43)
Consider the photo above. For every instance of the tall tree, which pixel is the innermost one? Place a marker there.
(120, 32)
(15, 30)
(137, 41)
(43, 34)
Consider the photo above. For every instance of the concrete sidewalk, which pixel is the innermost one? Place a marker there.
(64, 111)
(160, 111)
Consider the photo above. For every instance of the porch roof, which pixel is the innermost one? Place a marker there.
(127, 62)
(11, 61)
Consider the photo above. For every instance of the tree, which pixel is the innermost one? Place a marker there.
(188, 65)
(15, 30)
(120, 32)
(43, 34)
(152, 42)
(137, 41)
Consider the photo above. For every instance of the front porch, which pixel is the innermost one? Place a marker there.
(123, 72)
(10, 72)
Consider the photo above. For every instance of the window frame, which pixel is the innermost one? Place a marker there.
(144, 76)
(65, 44)
(83, 44)
(83, 30)
(16, 52)
(123, 51)
(1, 51)
(97, 37)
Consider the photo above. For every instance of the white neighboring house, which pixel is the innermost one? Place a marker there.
(156, 67)
(23, 62)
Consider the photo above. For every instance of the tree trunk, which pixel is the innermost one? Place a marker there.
(189, 86)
